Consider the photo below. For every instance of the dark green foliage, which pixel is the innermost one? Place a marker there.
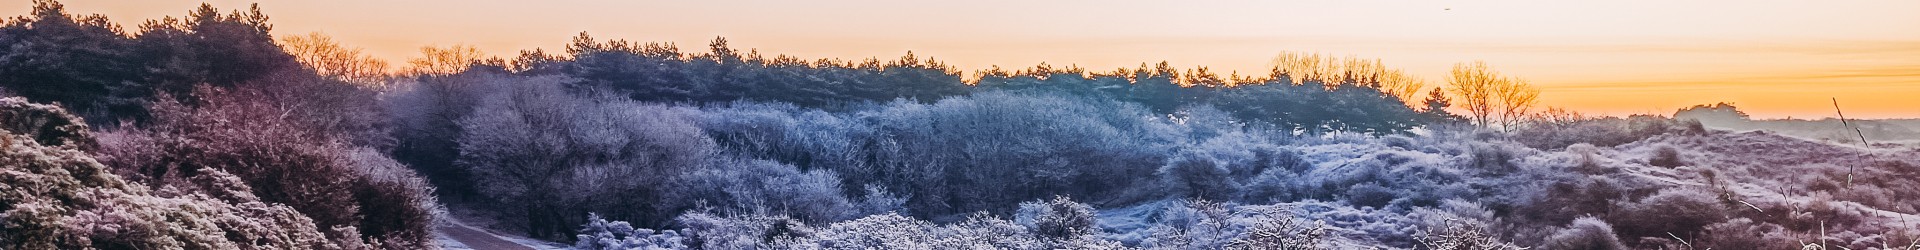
(86, 63)
(90, 64)
(661, 73)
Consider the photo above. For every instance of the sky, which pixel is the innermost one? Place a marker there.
(1773, 58)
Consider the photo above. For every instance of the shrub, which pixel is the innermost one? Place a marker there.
(1677, 211)
(1586, 233)
(354, 193)
(760, 187)
(1492, 157)
(1665, 156)
(1371, 195)
(1460, 234)
(600, 234)
(47, 125)
(1280, 231)
(1200, 176)
(1058, 219)
(1744, 233)
(556, 155)
(61, 198)
(879, 201)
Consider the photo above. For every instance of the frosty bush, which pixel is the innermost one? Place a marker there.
(1059, 219)
(1677, 211)
(1460, 234)
(1665, 156)
(1200, 176)
(600, 234)
(1558, 131)
(1744, 233)
(534, 144)
(353, 193)
(879, 201)
(45, 124)
(61, 198)
(761, 187)
(1285, 233)
(1370, 195)
(1586, 233)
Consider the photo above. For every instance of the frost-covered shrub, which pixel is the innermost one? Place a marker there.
(1060, 218)
(61, 198)
(990, 151)
(1370, 195)
(1665, 156)
(1554, 132)
(1566, 199)
(885, 231)
(760, 187)
(1192, 224)
(396, 205)
(1283, 233)
(879, 201)
(710, 231)
(600, 234)
(882, 231)
(1495, 157)
(1460, 234)
(352, 192)
(1679, 211)
(557, 155)
(1223, 167)
(1744, 233)
(1274, 185)
(46, 124)
(1586, 233)
(1199, 175)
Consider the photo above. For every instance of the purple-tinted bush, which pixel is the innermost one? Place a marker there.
(1677, 211)
(57, 197)
(1588, 233)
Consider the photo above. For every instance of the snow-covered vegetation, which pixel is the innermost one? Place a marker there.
(205, 133)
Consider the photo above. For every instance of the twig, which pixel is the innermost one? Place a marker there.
(1682, 241)
(1856, 131)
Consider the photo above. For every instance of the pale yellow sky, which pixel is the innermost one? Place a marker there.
(1616, 57)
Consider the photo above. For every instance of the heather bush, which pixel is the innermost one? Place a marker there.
(1665, 156)
(45, 124)
(61, 198)
(1744, 233)
(352, 192)
(1588, 233)
(600, 234)
(760, 187)
(532, 143)
(1677, 211)
(1059, 219)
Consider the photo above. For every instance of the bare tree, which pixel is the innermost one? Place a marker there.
(442, 61)
(1371, 73)
(328, 58)
(1489, 98)
(1473, 85)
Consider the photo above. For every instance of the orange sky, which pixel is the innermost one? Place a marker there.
(1773, 58)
